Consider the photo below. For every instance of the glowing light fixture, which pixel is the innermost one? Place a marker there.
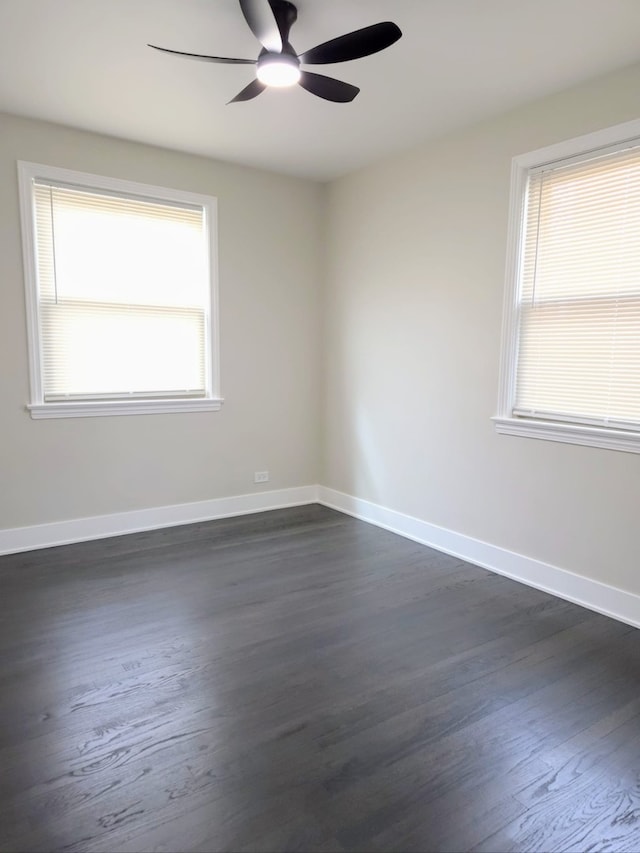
(278, 69)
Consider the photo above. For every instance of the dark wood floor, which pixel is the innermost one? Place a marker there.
(300, 681)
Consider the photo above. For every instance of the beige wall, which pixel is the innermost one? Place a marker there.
(415, 276)
(269, 267)
(411, 253)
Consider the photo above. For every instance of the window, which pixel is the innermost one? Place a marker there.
(571, 341)
(121, 296)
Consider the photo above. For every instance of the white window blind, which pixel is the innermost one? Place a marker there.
(123, 295)
(578, 356)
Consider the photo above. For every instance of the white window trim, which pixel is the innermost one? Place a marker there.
(505, 423)
(212, 401)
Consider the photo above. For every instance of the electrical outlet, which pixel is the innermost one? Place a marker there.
(261, 477)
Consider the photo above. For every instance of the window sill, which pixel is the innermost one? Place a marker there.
(610, 439)
(110, 408)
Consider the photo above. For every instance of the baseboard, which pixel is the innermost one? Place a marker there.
(608, 600)
(103, 526)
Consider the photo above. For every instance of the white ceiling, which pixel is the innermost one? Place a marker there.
(85, 63)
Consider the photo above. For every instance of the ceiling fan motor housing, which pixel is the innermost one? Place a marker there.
(280, 68)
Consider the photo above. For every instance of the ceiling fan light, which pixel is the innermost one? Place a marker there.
(278, 70)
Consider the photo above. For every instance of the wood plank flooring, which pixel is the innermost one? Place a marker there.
(301, 681)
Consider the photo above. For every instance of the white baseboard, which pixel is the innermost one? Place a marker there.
(608, 600)
(605, 599)
(102, 526)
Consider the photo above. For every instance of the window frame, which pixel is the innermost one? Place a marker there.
(37, 407)
(572, 432)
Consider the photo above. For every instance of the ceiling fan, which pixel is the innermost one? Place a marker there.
(279, 65)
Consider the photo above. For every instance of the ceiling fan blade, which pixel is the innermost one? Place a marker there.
(353, 45)
(328, 88)
(262, 23)
(251, 91)
(223, 59)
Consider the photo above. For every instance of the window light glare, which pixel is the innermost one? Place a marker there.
(278, 71)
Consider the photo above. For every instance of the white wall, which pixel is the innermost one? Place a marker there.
(269, 237)
(415, 277)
